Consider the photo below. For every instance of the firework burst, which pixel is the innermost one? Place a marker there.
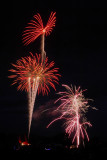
(73, 108)
(34, 75)
(36, 28)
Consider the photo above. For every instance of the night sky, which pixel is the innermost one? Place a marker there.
(78, 45)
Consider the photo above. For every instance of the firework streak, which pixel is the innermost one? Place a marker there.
(32, 92)
(73, 108)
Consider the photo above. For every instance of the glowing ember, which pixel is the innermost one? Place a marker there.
(34, 75)
(24, 143)
(73, 108)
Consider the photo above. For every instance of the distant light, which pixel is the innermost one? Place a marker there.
(47, 149)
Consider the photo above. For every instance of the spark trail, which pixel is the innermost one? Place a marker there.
(32, 92)
(34, 76)
(73, 108)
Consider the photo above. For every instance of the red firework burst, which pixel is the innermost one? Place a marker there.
(31, 67)
(35, 28)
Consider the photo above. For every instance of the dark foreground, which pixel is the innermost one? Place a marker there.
(51, 149)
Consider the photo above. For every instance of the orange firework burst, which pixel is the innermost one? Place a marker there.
(33, 69)
(35, 28)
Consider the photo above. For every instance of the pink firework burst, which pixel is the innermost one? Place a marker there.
(35, 28)
(73, 108)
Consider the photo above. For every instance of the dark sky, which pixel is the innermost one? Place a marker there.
(78, 45)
